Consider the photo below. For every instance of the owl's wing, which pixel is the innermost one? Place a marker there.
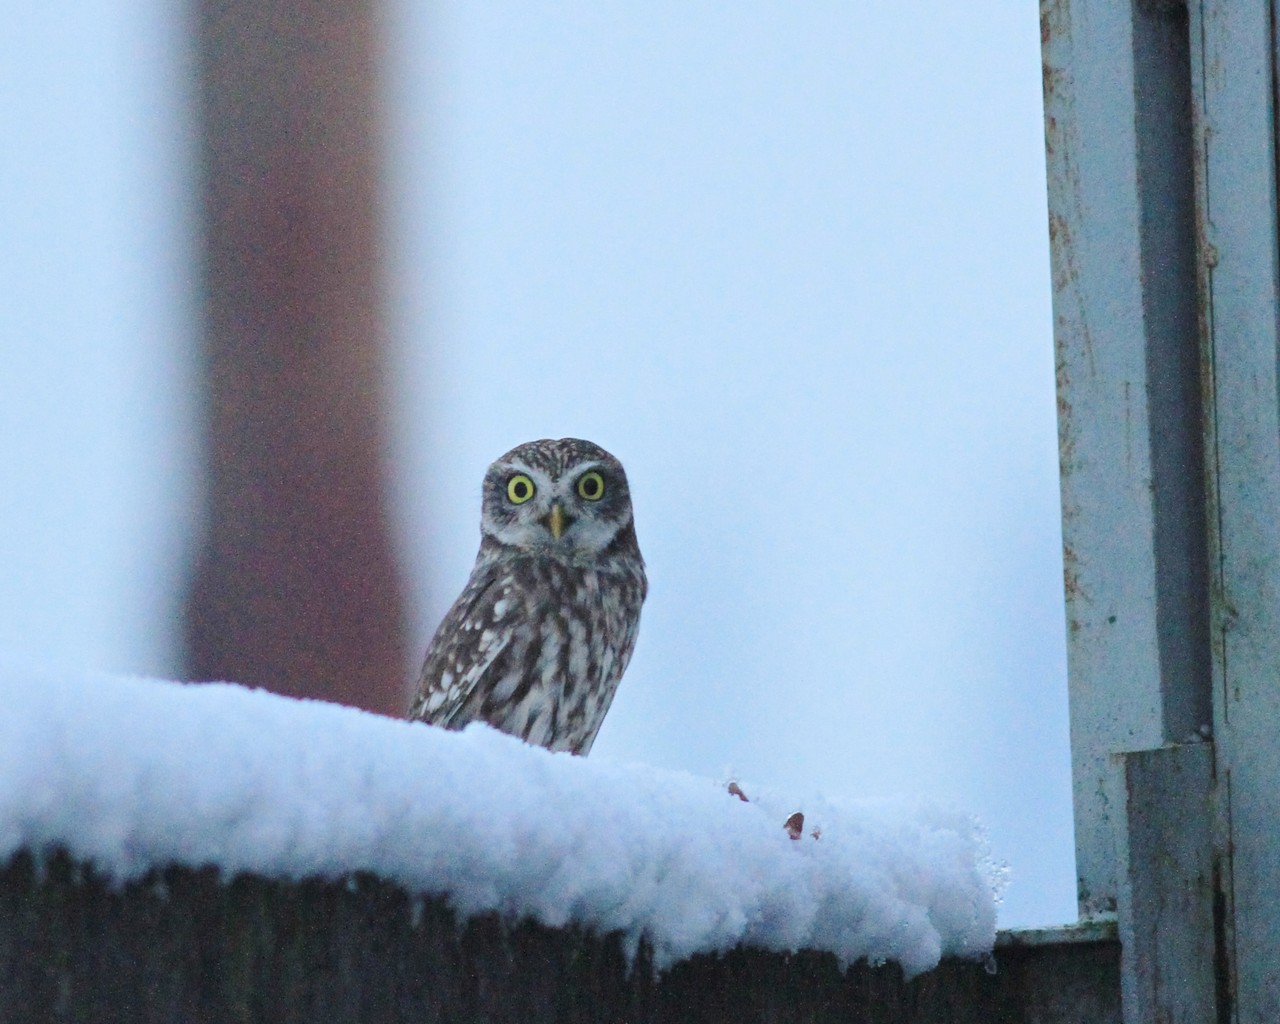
(462, 650)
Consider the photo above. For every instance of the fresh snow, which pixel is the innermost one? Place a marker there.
(132, 774)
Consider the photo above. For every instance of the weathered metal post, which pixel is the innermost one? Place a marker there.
(1160, 135)
(1117, 118)
(1234, 59)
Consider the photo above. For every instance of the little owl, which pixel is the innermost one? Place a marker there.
(539, 637)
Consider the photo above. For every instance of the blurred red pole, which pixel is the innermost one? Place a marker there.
(296, 587)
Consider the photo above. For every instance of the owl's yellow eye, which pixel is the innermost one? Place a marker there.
(519, 489)
(591, 486)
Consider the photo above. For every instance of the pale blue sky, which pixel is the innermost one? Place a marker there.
(788, 262)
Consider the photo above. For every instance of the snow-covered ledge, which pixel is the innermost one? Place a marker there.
(128, 775)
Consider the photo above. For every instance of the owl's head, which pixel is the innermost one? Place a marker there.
(566, 498)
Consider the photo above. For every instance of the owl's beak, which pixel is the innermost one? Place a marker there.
(556, 520)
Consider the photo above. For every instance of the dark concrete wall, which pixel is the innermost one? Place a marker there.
(183, 946)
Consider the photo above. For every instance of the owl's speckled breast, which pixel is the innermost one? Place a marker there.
(571, 636)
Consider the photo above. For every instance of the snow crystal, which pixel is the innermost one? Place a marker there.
(131, 774)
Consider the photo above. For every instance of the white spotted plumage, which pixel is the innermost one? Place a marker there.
(541, 634)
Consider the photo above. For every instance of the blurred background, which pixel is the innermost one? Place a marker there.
(280, 279)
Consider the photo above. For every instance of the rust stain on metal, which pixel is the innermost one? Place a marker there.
(1071, 576)
(1066, 204)
(1071, 587)
(1050, 78)
(1073, 337)
(1066, 443)
(1067, 463)
(1054, 20)
(1064, 271)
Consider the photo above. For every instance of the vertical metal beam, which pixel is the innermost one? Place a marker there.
(1166, 903)
(1166, 189)
(1161, 137)
(1109, 570)
(1118, 146)
(1234, 54)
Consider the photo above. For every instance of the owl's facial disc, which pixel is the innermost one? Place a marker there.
(574, 514)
